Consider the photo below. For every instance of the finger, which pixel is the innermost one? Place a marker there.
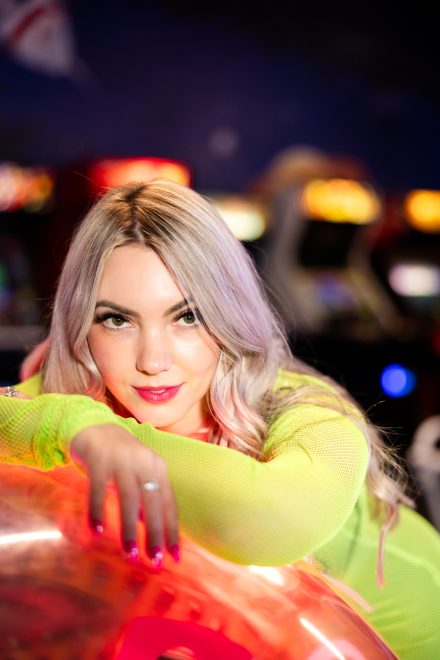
(154, 520)
(171, 521)
(97, 489)
(129, 507)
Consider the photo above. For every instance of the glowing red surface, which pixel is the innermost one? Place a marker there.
(77, 596)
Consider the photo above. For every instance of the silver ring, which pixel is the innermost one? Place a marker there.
(151, 485)
(11, 391)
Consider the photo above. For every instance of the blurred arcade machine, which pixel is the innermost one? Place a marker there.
(26, 203)
(407, 258)
(323, 211)
(318, 261)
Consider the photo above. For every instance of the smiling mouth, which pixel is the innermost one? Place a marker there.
(157, 395)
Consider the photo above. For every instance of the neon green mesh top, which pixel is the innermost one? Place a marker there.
(305, 497)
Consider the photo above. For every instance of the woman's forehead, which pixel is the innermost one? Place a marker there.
(137, 273)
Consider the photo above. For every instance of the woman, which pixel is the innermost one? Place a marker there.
(168, 373)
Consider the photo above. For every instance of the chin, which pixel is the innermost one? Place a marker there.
(159, 421)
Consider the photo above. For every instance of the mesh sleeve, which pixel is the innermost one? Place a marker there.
(272, 512)
(37, 432)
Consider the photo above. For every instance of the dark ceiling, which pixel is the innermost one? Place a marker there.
(394, 45)
(172, 78)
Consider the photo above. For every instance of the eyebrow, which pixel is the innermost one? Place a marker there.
(130, 312)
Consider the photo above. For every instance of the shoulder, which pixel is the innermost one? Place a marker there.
(315, 417)
(293, 380)
(309, 398)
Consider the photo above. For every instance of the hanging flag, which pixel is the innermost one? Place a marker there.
(39, 34)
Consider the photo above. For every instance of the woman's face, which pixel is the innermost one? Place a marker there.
(154, 355)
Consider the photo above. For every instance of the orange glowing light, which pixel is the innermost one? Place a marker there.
(340, 200)
(422, 209)
(114, 172)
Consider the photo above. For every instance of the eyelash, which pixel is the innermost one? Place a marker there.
(104, 316)
(196, 315)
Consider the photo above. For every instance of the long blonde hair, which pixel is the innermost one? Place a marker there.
(215, 272)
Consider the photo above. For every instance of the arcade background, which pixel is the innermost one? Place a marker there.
(254, 101)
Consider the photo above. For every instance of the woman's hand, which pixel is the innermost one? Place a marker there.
(109, 453)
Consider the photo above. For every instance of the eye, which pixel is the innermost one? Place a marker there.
(115, 321)
(111, 320)
(188, 318)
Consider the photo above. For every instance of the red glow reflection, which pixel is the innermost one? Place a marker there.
(78, 597)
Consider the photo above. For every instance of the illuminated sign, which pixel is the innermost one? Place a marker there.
(340, 200)
(113, 172)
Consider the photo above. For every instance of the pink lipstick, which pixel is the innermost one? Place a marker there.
(157, 394)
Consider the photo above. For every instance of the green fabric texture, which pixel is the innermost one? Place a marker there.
(305, 498)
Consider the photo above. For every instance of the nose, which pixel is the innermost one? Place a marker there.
(153, 353)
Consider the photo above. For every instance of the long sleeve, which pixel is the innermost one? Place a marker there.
(271, 512)
(268, 512)
(37, 432)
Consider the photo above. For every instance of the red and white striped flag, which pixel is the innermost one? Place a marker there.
(39, 34)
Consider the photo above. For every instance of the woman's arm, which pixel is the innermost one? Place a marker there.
(267, 513)
(272, 512)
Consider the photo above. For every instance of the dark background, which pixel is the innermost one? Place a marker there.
(226, 86)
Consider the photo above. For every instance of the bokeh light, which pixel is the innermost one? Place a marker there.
(397, 381)
(340, 200)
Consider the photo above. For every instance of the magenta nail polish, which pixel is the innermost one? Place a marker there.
(174, 551)
(131, 549)
(156, 556)
(96, 526)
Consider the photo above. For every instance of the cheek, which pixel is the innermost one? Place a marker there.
(104, 355)
(195, 354)
(205, 359)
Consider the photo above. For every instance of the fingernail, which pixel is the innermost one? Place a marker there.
(156, 556)
(131, 549)
(174, 551)
(96, 526)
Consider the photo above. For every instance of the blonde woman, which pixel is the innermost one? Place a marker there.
(168, 373)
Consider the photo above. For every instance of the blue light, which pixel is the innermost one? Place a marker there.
(397, 381)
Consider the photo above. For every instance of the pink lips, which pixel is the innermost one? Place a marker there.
(157, 394)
